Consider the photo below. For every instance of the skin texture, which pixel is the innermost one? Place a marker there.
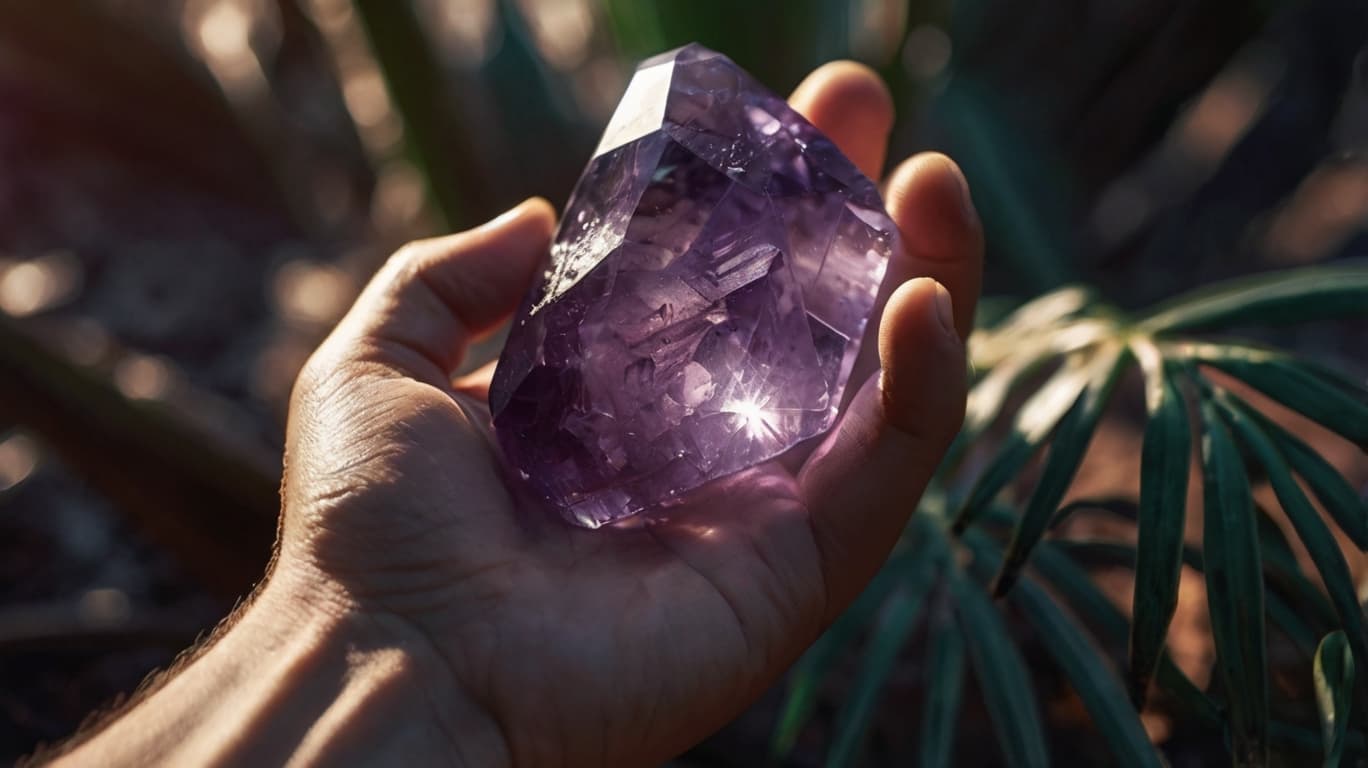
(419, 609)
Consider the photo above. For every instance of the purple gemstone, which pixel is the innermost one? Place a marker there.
(705, 299)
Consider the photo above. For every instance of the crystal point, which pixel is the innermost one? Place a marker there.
(705, 298)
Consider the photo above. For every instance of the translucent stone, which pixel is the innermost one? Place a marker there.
(704, 302)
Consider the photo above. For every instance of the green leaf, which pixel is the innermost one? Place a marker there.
(1300, 590)
(1113, 552)
(1006, 687)
(1067, 448)
(1096, 684)
(1011, 356)
(1165, 459)
(1034, 423)
(1289, 296)
(811, 670)
(900, 615)
(1283, 575)
(1334, 674)
(1079, 591)
(1314, 533)
(636, 27)
(1116, 506)
(990, 393)
(1298, 386)
(1333, 491)
(1277, 550)
(777, 48)
(1076, 588)
(1292, 623)
(943, 692)
(437, 143)
(1046, 310)
(1037, 325)
(1235, 593)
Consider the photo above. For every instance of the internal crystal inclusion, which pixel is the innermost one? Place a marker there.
(705, 299)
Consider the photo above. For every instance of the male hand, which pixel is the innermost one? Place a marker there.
(497, 633)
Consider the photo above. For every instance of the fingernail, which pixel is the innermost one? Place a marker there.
(945, 309)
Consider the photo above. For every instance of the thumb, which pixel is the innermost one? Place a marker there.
(433, 297)
(863, 483)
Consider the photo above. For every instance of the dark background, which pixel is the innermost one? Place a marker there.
(192, 191)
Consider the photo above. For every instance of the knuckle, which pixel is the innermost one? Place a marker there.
(306, 382)
(320, 374)
(405, 263)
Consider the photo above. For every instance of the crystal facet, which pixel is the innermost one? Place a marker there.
(705, 298)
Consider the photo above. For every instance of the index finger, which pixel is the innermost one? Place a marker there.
(850, 104)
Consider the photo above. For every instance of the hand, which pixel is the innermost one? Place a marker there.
(617, 646)
(415, 605)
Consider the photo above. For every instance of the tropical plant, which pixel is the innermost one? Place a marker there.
(972, 538)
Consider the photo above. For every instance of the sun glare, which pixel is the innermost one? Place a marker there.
(757, 418)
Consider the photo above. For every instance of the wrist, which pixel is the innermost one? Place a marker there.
(303, 674)
(389, 688)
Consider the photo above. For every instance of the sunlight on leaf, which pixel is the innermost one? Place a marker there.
(1165, 457)
(1334, 677)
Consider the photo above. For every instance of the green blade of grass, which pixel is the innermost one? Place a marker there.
(1283, 575)
(1114, 552)
(1330, 487)
(1077, 589)
(1034, 423)
(1299, 386)
(1067, 448)
(943, 693)
(1054, 562)
(1116, 506)
(1003, 681)
(1098, 686)
(1066, 642)
(890, 634)
(989, 394)
(1235, 593)
(1314, 533)
(811, 670)
(434, 140)
(1049, 322)
(1334, 677)
(1165, 458)
(1293, 623)
(1295, 295)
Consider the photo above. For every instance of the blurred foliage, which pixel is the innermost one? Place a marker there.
(195, 494)
(1068, 351)
(1136, 149)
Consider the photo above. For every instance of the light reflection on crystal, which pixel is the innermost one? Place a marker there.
(757, 420)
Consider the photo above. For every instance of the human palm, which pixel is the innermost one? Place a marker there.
(626, 644)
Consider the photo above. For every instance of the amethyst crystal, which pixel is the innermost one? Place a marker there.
(705, 298)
